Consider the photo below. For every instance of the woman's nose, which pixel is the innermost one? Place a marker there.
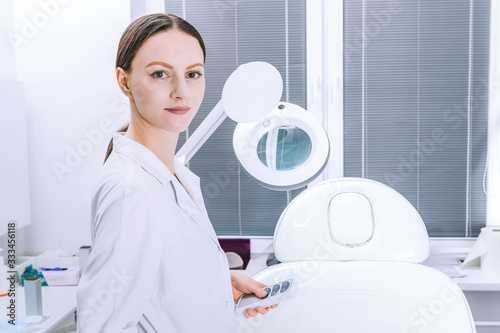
(180, 90)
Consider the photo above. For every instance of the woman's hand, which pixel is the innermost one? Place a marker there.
(243, 284)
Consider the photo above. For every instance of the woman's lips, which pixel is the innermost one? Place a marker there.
(179, 110)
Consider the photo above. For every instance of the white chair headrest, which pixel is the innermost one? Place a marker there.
(351, 219)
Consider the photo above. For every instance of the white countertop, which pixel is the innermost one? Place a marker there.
(478, 280)
(58, 302)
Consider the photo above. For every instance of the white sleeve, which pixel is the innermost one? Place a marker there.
(120, 274)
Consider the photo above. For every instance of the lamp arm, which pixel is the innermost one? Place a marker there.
(202, 133)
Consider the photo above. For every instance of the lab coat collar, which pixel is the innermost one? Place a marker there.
(154, 166)
(194, 205)
(187, 192)
(190, 181)
(142, 156)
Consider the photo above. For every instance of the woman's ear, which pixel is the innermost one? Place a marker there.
(123, 80)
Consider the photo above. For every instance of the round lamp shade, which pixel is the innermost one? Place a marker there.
(284, 151)
(252, 91)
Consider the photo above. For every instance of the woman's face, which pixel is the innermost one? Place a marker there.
(167, 81)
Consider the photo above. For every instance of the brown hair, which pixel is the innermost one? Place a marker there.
(137, 33)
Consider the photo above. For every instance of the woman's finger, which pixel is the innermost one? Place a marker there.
(250, 313)
(262, 311)
(254, 312)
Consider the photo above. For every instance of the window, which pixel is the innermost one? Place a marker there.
(416, 105)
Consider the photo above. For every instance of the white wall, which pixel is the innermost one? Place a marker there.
(14, 173)
(65, 53)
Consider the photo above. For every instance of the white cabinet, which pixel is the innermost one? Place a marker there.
(482, 291)
(484, 306)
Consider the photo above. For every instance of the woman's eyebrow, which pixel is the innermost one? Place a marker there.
(171, 67)
(195, 65)
(159, 63)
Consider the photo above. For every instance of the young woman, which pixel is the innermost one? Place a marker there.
(156, 264)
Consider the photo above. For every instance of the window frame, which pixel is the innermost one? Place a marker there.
(325, 70)
(493, 172)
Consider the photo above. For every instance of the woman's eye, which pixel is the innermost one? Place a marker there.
(159, 74)
(194, 75)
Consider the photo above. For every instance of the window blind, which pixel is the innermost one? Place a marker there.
(237, 32)
(415, 104)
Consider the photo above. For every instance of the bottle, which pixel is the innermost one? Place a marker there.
(30, 271)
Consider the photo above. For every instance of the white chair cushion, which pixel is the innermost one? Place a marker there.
(364, 297)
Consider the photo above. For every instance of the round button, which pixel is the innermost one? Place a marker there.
(285, 286)
(267, 290)
(276, 288)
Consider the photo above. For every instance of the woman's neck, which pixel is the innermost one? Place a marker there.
(162, 143)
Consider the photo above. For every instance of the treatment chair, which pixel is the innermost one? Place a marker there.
(355, 246)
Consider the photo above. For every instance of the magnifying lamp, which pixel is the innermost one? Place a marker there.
(285, 151)
(280, 145)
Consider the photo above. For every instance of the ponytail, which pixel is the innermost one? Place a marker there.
(110, 146)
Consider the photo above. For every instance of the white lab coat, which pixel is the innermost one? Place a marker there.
(156, 264)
